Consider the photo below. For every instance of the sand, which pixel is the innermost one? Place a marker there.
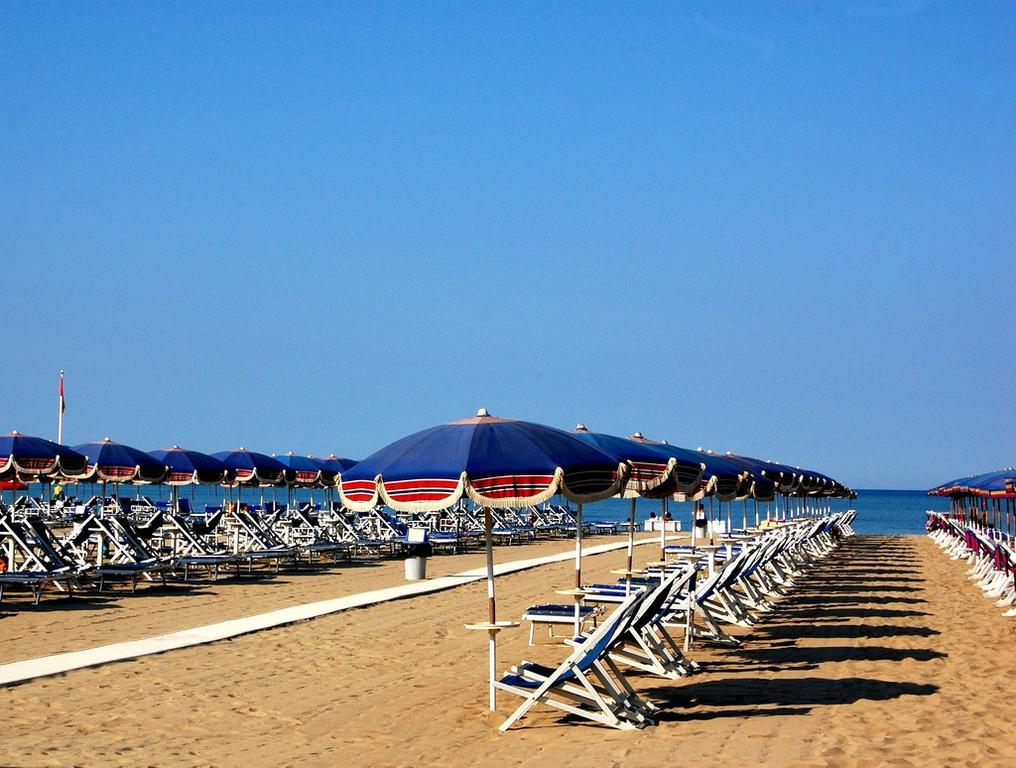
(883, 655)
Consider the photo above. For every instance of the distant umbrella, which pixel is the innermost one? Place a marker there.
(186, 467)
(300, 470)
(117, 463)
(35, 457)
(652, 468)
(252, 468)
(330, 467)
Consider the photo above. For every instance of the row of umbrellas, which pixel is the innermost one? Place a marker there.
(507, 463)
(431, 470)
(981, 498)
(1000, 483)
(23, 457)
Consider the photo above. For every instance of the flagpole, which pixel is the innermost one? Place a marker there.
(60, 412)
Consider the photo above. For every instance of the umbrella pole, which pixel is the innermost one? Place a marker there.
(663, 527)
(712, 522)
(578, 568)
(744, 515)
(488, 526)
(756, 514)
(631, 546)
(730, 522)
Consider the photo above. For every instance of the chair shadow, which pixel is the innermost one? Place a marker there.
(745, 695)
(844, 612)
(809, 630)
(783, 657)
(841, 600)
(867, 586)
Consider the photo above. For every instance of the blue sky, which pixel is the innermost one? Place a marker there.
(781, 229)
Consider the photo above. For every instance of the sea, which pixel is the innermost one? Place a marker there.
(885, 512)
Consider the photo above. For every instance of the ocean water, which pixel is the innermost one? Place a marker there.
(878, 511)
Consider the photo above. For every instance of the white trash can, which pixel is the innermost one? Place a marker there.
(416, 568)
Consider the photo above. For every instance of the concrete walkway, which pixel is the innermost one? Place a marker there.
(29, 669)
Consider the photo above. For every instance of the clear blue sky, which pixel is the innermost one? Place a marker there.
(782, 229)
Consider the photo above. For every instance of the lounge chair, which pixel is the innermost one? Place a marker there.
(587, 684)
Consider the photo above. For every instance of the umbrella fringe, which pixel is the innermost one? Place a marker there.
(556, 486)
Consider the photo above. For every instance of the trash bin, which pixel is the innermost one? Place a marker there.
(416, 568)
(417, 552)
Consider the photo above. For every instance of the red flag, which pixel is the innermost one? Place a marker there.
(63, 403)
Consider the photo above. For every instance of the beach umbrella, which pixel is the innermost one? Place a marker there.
(651, 467)
(117, 463)
(724, 480)
(495, 462)
(187, 467)
(990, 488)
(330, 467)
(24, 458)
(250, 468)
(766, 480)
(301, 471)
(31, 457)
(951, 488)
(998, 484)
(780, 477)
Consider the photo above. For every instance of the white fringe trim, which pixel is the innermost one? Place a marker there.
(557, 485)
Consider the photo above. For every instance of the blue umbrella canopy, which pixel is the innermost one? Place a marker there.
(651, 466)
(821, 484)
(495, 462)
(766, 478)
(252, 468)
(30, 457)
(300, 470)
(117, 463)
(725, 478)
(186, 466)
(331, 466)
(679, 485)
(1000, 483)
(786, 478)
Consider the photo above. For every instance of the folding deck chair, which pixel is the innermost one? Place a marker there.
(587, 684)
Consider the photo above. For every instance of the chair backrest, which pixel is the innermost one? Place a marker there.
(48, 543)
(653, 608)
(132, 537)
(40, 548)
(611, 630)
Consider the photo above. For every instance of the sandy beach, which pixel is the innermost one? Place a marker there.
(883, 655)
